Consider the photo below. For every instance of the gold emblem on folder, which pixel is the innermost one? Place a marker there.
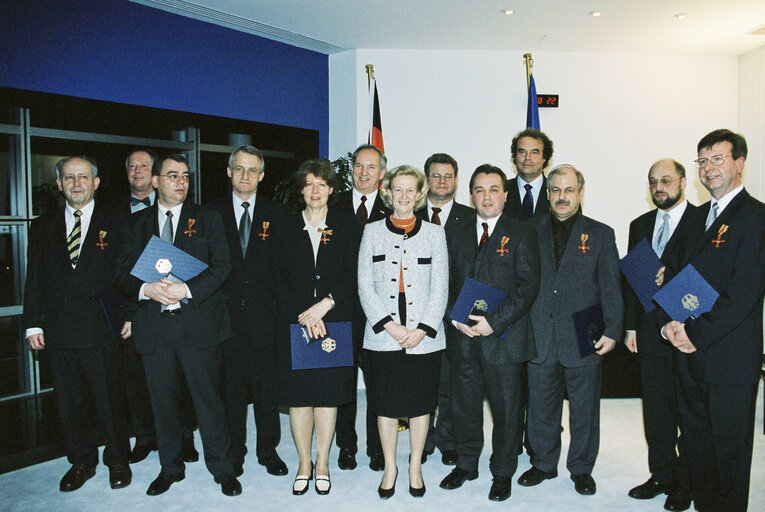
(480, 305)
(690, 302)
(328, 345)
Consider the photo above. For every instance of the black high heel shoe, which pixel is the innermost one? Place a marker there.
(300, 486)
(417, 493)
(387, 493)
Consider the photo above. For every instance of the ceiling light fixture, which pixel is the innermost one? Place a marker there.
(680, 16)
(596, 14)
(509, 12)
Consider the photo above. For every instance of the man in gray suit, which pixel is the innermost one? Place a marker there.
(487, 357)
(580, 268)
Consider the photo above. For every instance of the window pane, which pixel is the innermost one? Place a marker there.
(11, 265)
(7, 174)
(12, 365)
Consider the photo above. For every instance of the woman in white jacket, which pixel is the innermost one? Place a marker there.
(403, 287)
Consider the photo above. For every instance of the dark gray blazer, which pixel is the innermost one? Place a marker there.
(516, 272)
(585, 277)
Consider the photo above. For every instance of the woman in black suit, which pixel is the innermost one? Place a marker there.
(315, 256)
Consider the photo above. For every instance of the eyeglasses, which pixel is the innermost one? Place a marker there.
(439, 177)
(716, 160)
(175, 177)
(665, 182)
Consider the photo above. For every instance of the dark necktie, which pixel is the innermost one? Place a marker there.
(134, 201)
(527, 206)
(167, 229)
(484, 236)
(73, 240)
(361, 213)
(435, 219)
(244, 227)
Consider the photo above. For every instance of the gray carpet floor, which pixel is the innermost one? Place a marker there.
(621, 465)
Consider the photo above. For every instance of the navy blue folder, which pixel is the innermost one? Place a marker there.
(333, 350)
(160, 258)
(115, 309)
(640, 266)
(475, 298)
(687, 294)
(589, 326)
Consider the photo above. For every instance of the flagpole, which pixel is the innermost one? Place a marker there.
(529, 64)
(370, 74)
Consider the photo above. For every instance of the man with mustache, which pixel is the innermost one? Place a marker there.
(580, 269)
(666, 453)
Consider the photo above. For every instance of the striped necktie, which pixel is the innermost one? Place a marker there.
(73, 240)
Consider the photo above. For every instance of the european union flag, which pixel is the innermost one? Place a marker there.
(532, 109)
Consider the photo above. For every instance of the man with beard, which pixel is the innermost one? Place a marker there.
(666, 455)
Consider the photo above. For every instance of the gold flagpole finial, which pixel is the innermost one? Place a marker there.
(370, 73)
(529, 64)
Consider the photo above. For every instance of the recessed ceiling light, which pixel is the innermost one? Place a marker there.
(681, 16)
(596, 14)
(509, 12)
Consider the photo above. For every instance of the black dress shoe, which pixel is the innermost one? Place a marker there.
(229, 485)
(376, 462)
(648, 490)
(141, 451)
(162, 483)
(274, 465)
(679, 499)
(238, 466)
(535, 476)
(77, 475)
(417, 493)
(387, 493)
(584, 484)
(189, 452)
(457, 477)
(120, 476)
(346, 459)
(449, 457)
(500, 488)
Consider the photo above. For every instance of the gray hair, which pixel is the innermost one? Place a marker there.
(558, 169)
(250, 150)
(383, 158)
(64, 161)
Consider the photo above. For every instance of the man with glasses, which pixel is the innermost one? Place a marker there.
(666, 454)
(249, 358)
(719, 353)
(441, 208)
(178, 326)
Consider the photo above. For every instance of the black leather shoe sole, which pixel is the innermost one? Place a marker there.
(584, 484)
(161, 484)
(535, 476)
(229, 485)
(456, 478)
(648, 490)
(120, 476)
(678, 500)
(274, 465)
(500, 489)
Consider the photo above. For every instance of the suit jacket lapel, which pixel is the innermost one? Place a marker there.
(181, 236)
(723, 218)
(546, 242)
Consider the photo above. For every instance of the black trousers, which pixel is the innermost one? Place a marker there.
(250, 371)
(718, 426)
(440, 434)
(86, 376)
(173, 358)
(141, 417)
(470, 379)
(667, 460)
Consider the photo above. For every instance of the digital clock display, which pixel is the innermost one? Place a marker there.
(547, 100)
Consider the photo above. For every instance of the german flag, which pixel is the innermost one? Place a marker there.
(375, 137)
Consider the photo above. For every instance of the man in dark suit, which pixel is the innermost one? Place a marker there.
(138, 165)
(580, 268)
(527, 193)
(363, 202)
(181, 339)
(487, 357)
(441, 208)
(70, 258)
(666, 455)
(249, 359)
(720, 352)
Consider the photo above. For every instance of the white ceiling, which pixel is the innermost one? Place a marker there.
(712, 27)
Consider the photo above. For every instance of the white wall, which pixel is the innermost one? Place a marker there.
(752, 118)
(618, 114)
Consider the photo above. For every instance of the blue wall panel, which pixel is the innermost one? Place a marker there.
(120, 51)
